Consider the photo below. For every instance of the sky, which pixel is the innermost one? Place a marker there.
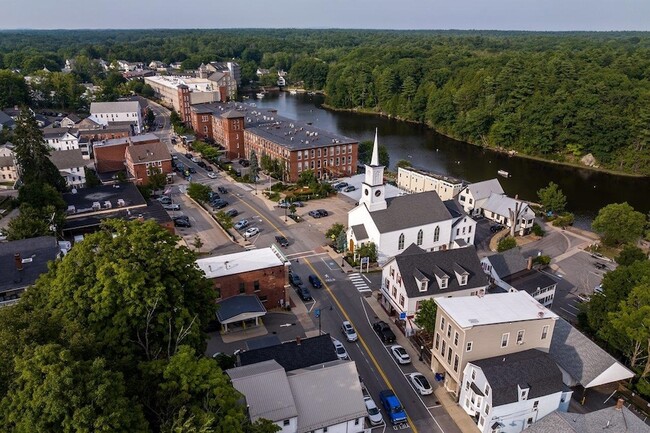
(538, 15)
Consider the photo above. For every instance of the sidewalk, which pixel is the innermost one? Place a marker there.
(298, 308)
(464, 423)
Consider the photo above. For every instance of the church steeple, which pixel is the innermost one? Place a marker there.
(372, 190)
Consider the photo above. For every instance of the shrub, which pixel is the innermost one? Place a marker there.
(538, 230)
(506, 244)
(542, 260)
(564, 220)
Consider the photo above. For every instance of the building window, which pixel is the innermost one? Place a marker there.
(529, 421)
(449, 356)
(456, 338)
(504, 339)
(420, 236)
(443, 348)
(520, 337)
(487, 389)
(356, 421)
(544, 332)
(437, 346)
(449, 331)
(286, 422)
(242, 287)
(401, 300)
(436, 234)
(473, 374)
(469, 346)
(442, 324)
(400, 242)
(256, 285)
(487, 409)
(299, 156)
(456, 363)
(394, 292)
(535, 404)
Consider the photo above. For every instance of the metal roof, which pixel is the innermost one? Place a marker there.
(481, 190)
(266, 388)
(115, 107)
(507, 263)
(501, 205)
(327, 395)
(238, 308)
(411, 210)
(237, 263)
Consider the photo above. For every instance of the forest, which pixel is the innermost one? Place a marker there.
(558, 96)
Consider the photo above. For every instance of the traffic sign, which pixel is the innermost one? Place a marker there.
(317, 312)
(402, 315)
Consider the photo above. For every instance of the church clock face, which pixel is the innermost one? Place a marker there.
(377, 193)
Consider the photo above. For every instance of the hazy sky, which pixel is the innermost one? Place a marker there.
(377, 14)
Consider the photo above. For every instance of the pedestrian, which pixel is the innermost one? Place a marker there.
(297, 261)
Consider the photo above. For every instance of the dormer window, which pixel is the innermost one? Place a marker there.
(444, 282)
(461, 274)
(523, 393)
(421, 280)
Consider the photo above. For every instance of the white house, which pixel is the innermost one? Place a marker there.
(500, 208)
(416, 275)
(508, 393)
(121, 111)
(71, 165)
(512, 272)
(8, 167)
(393, 224)
(413, 180)
(322, 398)
(66, 139)
(474, 196)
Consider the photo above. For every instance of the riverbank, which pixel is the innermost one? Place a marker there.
(510, 153)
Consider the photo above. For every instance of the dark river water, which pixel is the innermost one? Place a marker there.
(586, 190)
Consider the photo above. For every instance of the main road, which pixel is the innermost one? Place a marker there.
(345, 295)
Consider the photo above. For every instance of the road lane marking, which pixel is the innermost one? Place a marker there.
(360, 338)
(568, 312)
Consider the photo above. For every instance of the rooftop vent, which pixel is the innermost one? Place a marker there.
(121, 202)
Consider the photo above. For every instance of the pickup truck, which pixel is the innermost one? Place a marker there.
(393, 407)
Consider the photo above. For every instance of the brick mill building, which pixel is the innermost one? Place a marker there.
(242, 129)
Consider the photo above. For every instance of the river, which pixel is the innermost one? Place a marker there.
(586, 190)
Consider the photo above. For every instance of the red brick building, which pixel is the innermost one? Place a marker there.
(242, 129)
(110, 155)
(262, 272)
(145, 160)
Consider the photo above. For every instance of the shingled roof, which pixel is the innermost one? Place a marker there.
(508, 263)
(411, 210)
(414, 259)
(293, 355)
(610, 420)
(532, 369)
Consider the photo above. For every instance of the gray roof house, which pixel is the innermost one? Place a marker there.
(416, 275)
(474, 195)
(582, 361)
(617, 419)
(22, 262)
(323, 397)
(293, 355)
(509, 392)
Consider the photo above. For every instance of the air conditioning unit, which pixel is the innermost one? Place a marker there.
(520, 342)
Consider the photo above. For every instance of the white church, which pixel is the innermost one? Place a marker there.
(393, 224)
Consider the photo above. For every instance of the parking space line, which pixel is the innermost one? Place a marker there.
(568, 312)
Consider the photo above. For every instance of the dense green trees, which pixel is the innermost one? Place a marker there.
(110, 340)
(552, 198)
(557, 95)
(619, 223)
(13, 89)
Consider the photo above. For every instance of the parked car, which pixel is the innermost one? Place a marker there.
(295, 279)
(284, 204)
(314, 213)
(282, 241)
(212, 175)
(348, 331)
(219, 204)
(599, 289)
(201, 164)
(241, 224)
(339, 186)
(165, 199)
(298, 204)
(600, 266)
(315, 282)
(496, 228)
(182, 221)
(304, 293)
(341, 353)
(195, 159)
(400, 354)
(420, 383)
(222, 190)
(384, 332)
(251, 232)
(392, 406)
(172, 206)
(323, 212)
(374, 415)
(232, 213)
(192, 170)
(189, 155)
(208, 168)
(349, 188)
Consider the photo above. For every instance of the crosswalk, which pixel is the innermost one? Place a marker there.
(359, 283)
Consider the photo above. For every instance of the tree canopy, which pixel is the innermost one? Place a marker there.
(552, 198)
(619, 223)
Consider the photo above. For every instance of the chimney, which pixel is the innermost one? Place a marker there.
(619, 404)
(529, 265)
(18, 261)
(297, 341)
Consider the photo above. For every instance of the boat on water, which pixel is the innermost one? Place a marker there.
(503, 173)
(293, 92)
(259, 95)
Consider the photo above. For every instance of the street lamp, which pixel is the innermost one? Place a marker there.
(421, 353)
(318, 313)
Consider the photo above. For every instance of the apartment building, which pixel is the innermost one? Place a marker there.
(180, 93)
(72, 166)
(147, 160)
(8, 167)
(478, 327)
(413, 180)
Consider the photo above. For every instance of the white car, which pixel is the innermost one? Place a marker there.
(251, 232)
(241, 224)
(341, 353)
(374, 415)
(195, 159)
(420, 383)
(172, 206)
(400, 354)
(348, 331)
(212, 175)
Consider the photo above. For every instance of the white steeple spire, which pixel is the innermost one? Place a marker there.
(374, 161)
